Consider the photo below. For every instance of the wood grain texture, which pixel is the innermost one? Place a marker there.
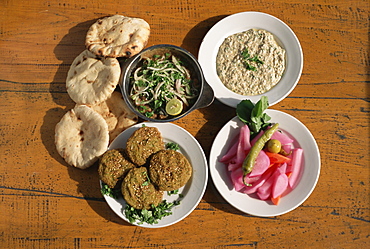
(47, 204)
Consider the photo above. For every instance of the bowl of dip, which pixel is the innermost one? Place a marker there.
(164, 83)
(251, 54)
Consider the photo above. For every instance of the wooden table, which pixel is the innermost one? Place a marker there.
(48, 204)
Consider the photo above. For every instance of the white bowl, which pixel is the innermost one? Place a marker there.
(241, 22)
(309, 174)
(193, 190)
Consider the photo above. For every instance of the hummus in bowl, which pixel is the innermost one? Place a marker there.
(286, 71)
(250, 62)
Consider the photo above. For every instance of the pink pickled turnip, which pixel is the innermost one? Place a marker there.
(250, 180)
(233, 166)
(296, 166)
(280, 185)
(237, 179)
(243, 144)
(264, 195)
(229, 154)
(240, 153)
(261, 165)
(282, 169)
(246, 134)
(283, 138)
(262, 179)
(264, 191)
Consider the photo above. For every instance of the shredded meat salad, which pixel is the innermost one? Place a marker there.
(158, 80)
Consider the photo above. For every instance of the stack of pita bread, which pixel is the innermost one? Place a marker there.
(100, 114)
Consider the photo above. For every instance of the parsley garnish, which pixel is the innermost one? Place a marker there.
(172, 146)
(151, 216)
(106, 190)
(247, 57)
(146, 183)
(173, 192)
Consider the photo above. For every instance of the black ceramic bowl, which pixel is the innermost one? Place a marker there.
(205, 93)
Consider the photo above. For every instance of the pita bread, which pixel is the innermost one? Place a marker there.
(92, 79)
(81, 137)
(116, 113)
(117, 36)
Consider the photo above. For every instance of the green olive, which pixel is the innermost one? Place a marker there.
(274, 146)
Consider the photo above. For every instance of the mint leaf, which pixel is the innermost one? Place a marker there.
(265, 118)
(253, 114)
(244, 110)
(260, 107)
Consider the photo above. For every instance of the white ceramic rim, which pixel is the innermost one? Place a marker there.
(241, 22)
(253, 206)
(192, 192)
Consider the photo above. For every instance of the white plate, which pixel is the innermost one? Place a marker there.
(251, 205)
(241, 22)
(192, 192)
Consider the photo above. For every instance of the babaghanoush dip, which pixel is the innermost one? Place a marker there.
(250, 62)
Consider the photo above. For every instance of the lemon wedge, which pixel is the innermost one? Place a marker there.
(174, 107)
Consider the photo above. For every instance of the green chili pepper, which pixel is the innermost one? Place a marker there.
(250, 159)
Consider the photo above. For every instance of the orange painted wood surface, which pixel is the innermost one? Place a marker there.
(47, 204)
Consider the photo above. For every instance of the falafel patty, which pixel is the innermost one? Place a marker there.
(169, 170)
(138, 191)
(113, 166)
(143, 143)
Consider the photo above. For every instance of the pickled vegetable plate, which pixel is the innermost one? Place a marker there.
(250, 204)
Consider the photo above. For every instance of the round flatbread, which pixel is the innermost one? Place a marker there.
(117, 36)
(116, 113)
(92, 79)
(81, 137)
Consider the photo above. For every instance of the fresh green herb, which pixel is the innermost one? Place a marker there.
(146, 183)
(151, 216)
(253, 115)
(172, 146)
(173, 192)
(247, 57)
(245, 54)
(154, 214)
(255, 59)
(250, 67)
(106, 190)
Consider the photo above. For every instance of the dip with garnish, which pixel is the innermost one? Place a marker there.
(250, 62)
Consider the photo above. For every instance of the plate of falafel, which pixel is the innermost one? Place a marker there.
(153, 174)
